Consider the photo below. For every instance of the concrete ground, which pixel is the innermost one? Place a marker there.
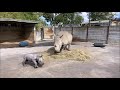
(103, 64)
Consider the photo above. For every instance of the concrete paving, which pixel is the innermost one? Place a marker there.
(103, 64)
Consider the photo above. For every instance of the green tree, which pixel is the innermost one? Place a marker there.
(100, 16)
(40, 24)
(21, 15)
(61, 18)
(50, 17)
(65, 18)
(70, 18)
(78, 19)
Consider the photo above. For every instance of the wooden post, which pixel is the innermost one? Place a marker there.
(107, 35)
(87, 34)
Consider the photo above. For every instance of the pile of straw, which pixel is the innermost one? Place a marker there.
(74, 54)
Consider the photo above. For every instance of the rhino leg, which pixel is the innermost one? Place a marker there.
(65, 47)
(39, 63)
(24, 62)
(68, 47)
(61, 48)
(35, 63)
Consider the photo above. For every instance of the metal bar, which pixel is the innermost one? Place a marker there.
(87, 34)
(107, 35)
(72, 31)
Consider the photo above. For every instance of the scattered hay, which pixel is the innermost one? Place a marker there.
(74, 54)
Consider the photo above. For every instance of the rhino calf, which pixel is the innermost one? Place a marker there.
(35, 58)
(62, 41)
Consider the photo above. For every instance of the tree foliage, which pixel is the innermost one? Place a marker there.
(78, 19)
(21, 15)
(100, 16)
(40, 24)
(65, 18)
(49, 17)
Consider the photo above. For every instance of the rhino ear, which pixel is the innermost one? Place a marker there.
(61, 36)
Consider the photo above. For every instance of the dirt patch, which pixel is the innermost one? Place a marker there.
(74, 54)
(103, 63)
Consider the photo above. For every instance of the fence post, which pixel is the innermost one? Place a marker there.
(60, 28)
(87, 34)
(54, 31)
(42, 33)
(107, 34)
(72, 30)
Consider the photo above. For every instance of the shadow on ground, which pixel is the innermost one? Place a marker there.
(45, 43)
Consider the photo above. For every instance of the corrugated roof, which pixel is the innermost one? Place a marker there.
(101, 21)
(73, 25)
(104, 21)
(18, 20)
(94, 21)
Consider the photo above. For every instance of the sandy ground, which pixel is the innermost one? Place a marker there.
(103, 64)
